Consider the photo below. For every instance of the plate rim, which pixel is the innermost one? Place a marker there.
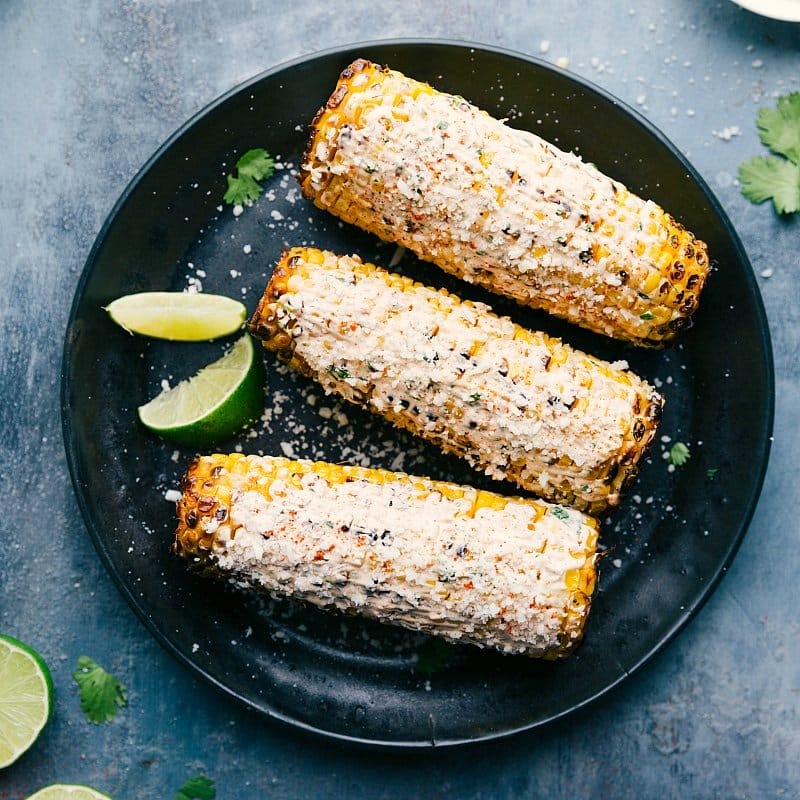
(782, 10)
(681, 620)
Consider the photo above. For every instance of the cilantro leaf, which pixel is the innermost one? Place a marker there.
(773, 177)
(254, 166)
(765, 177)
(197, 788)
(433, 655)
(679, 454)
(242, 190)
(339, 372)
(559, 513)
(101, 694)
(711, 473)
(779, 129)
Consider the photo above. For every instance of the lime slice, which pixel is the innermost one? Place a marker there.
(214, 404)
(68, 791)
(26, 698)
(179, 316)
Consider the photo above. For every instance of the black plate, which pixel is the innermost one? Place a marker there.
(670, 543)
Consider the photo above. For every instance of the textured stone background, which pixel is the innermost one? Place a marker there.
(88, 89)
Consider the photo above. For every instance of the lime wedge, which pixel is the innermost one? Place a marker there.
(213, 405)
(26, 698)
(179, 316)
(68, 791)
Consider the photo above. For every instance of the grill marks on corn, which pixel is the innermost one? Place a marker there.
(451, 560)
(516, 404)
(500, 207)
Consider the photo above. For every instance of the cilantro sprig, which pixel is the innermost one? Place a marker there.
(679, 454)
(776, 177)
(101, 694)
(197, 788)
(254, 166)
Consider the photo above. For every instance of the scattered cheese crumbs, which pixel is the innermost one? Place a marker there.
(287, 449)
(325, 412)
(726, 134)
(247, 249)
(172, 495)
(194, 285)
(562, 62)
(176, 454)
(544, 46)
(406, 528)
(164, 385)
(195, 647)
(617, 562)
(238, 210)
(767, 273)
(276, 215)
(397, 256)
(311, 399)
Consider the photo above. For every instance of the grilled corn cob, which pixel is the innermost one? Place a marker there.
(450, 560)
(500, 207)
(515, 403)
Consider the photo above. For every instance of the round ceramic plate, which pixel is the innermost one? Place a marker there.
(668, 545)
(786, 10)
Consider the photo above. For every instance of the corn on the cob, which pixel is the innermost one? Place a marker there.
(432, 556)
(500, 207)
(515, 403)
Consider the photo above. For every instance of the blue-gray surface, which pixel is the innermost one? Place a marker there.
(89, 89)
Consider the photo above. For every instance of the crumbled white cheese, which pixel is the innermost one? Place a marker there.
(496, 205)
(456, 368)
(425, 555)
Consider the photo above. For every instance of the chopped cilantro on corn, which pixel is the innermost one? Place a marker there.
(471, 566)
(517, 404)
(500, 207)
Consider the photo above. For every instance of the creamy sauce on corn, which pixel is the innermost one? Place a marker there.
(508, 396)
(470, 193)
(430, 557)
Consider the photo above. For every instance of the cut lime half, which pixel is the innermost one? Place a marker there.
(179, 316)
(68, 791)
(26, 698)
(214, 404)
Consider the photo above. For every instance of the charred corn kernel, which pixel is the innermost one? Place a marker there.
(424, 554)
(524, 407)
(500, 207)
